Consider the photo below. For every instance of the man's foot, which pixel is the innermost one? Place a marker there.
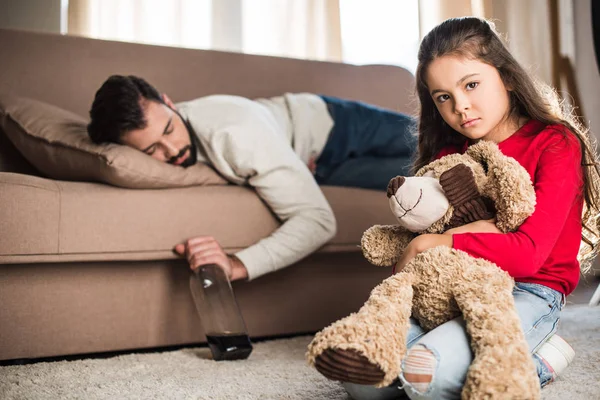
(556, 354)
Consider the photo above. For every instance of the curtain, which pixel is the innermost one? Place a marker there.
(525, 25)
(308, 29)
(293, 28)
(185, 23)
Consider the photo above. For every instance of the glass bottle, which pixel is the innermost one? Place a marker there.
(219, 313)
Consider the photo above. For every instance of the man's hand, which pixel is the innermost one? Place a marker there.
(312, 164)
(419, 245)
(203, 250)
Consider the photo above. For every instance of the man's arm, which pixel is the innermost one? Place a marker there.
(250, 150)
(285, 184)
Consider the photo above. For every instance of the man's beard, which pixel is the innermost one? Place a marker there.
(191, 160)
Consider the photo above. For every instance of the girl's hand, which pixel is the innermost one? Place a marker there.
(419, 245)
(481, 226)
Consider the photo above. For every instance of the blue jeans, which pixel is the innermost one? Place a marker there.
(367, 145)
(538, 307)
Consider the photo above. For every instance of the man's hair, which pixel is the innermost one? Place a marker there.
(118, 107)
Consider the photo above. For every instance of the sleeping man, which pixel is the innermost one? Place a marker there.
(283, 147)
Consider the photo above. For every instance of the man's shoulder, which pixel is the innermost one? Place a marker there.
(213, 99)
(219, 109)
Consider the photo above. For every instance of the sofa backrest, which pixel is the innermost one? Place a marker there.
(67, 70)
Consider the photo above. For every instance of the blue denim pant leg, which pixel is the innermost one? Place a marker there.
(538, 308)
(368, 172)
(394, 391)
(367, 146)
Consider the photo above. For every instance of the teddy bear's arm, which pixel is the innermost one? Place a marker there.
(509, 185)
(383, 245)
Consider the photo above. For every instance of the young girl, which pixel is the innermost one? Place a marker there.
(470, 88)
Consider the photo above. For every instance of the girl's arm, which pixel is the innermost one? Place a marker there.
(558, 183)
(429, 241)
(558, 186)
(481, 226)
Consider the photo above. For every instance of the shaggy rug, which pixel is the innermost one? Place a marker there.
(276, 370)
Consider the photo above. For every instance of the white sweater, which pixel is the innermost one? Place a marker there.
(266, 144)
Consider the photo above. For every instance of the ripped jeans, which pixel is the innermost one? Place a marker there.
(538, 307)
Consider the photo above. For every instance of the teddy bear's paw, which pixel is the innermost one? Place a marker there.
(355, 344)
(480, 208)
(348, 366)
(377, 332)
(383, 245)
(495, 377)
(461, 189)
(459, 184)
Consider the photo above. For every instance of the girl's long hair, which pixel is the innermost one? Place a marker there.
(476, 38)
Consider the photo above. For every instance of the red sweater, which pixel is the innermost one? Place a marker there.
(544, 249)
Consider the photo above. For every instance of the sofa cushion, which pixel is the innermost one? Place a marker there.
(54, 221)
(55, 141)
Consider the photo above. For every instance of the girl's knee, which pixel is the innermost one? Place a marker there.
(418, 368)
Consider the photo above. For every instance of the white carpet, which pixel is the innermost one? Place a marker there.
(275, 370)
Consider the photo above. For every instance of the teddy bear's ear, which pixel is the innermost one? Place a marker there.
(508, 185)
(383, 245)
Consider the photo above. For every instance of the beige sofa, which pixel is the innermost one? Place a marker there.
(87, 267)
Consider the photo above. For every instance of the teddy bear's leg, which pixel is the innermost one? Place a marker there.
(372, 339)
(502, 367)
(433, 300)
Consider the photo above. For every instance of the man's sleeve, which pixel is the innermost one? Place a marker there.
(258, 154)
(558, 183)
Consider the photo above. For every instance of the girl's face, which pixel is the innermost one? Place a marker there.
(471, 98)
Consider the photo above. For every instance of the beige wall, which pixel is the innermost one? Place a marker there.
(44, 15)
(586, 70)
(31, 15)
(587, 74)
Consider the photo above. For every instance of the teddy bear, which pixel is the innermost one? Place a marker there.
(441, 283)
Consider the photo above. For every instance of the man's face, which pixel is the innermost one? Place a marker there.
(165, 136)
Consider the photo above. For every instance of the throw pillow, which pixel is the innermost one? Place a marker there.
(55, 141)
